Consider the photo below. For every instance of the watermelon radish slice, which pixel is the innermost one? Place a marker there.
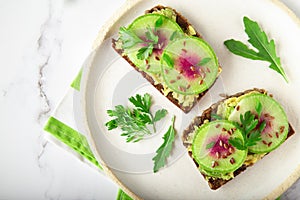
(272, 113)
(190, 65)
(165, 33)
(211, 148)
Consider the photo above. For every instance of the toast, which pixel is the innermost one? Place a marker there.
(180, 98)
(207, 116)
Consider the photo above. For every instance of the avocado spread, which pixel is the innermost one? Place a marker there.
(224, 110)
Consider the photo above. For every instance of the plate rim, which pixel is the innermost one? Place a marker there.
(102, 35)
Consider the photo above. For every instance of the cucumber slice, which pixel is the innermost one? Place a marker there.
(212, 151)
(189, 65)
(165, 33)
(272, 113)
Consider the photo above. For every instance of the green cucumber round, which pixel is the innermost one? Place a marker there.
(277, 126)
(211, 148)
(168, 30)
(189, 65)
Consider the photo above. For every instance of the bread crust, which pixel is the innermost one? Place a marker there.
(206, 115)
(184, 24)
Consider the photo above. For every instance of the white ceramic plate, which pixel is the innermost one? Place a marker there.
(108, 80)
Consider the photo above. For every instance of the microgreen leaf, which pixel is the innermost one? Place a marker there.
(174, 35)
(168, 60)
(151, 36)
(258, 108)
(216, 116)
(159, 22)
(159, 115)
(204, 61)
(144, 52)
(265, 48)
(238, 143)
(164, 150)
(210, 145)
(128, 38)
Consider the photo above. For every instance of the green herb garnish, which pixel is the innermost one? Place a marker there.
(164, 150)
(250, 134)
(130, 39)
(204, 61)
(159, 22)
(216, 116)
(265, 48)
(133, 122)
(168, 60)
(210, 145)
(258, 109)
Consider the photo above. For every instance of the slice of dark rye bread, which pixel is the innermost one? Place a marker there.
(215, 183)
(184, 24)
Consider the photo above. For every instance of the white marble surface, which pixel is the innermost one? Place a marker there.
(43, 43)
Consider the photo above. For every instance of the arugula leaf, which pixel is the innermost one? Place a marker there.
(204, 61)
(164, 150)
(133, 122)
(128, 38)
(265, 48)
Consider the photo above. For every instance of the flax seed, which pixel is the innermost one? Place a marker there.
(269, 144)
(264, 142)
(281, 129)
(232, 161)
(238, 108)
(214, 164)
(218, 125)
(172, 81)
(225, 146)
(181, 88)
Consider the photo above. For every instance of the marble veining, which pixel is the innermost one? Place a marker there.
(48, 42)
(38, 169)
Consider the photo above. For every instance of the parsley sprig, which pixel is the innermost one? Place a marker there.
(133, 122)
(130, 39)
(251, 134)
(265, 49)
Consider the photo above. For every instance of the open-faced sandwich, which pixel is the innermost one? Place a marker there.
(165, 48)
(234, 134)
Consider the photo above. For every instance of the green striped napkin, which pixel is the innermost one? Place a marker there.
(62, 128)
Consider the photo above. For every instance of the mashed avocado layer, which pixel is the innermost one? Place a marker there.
(183, 100)
(224, 110)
